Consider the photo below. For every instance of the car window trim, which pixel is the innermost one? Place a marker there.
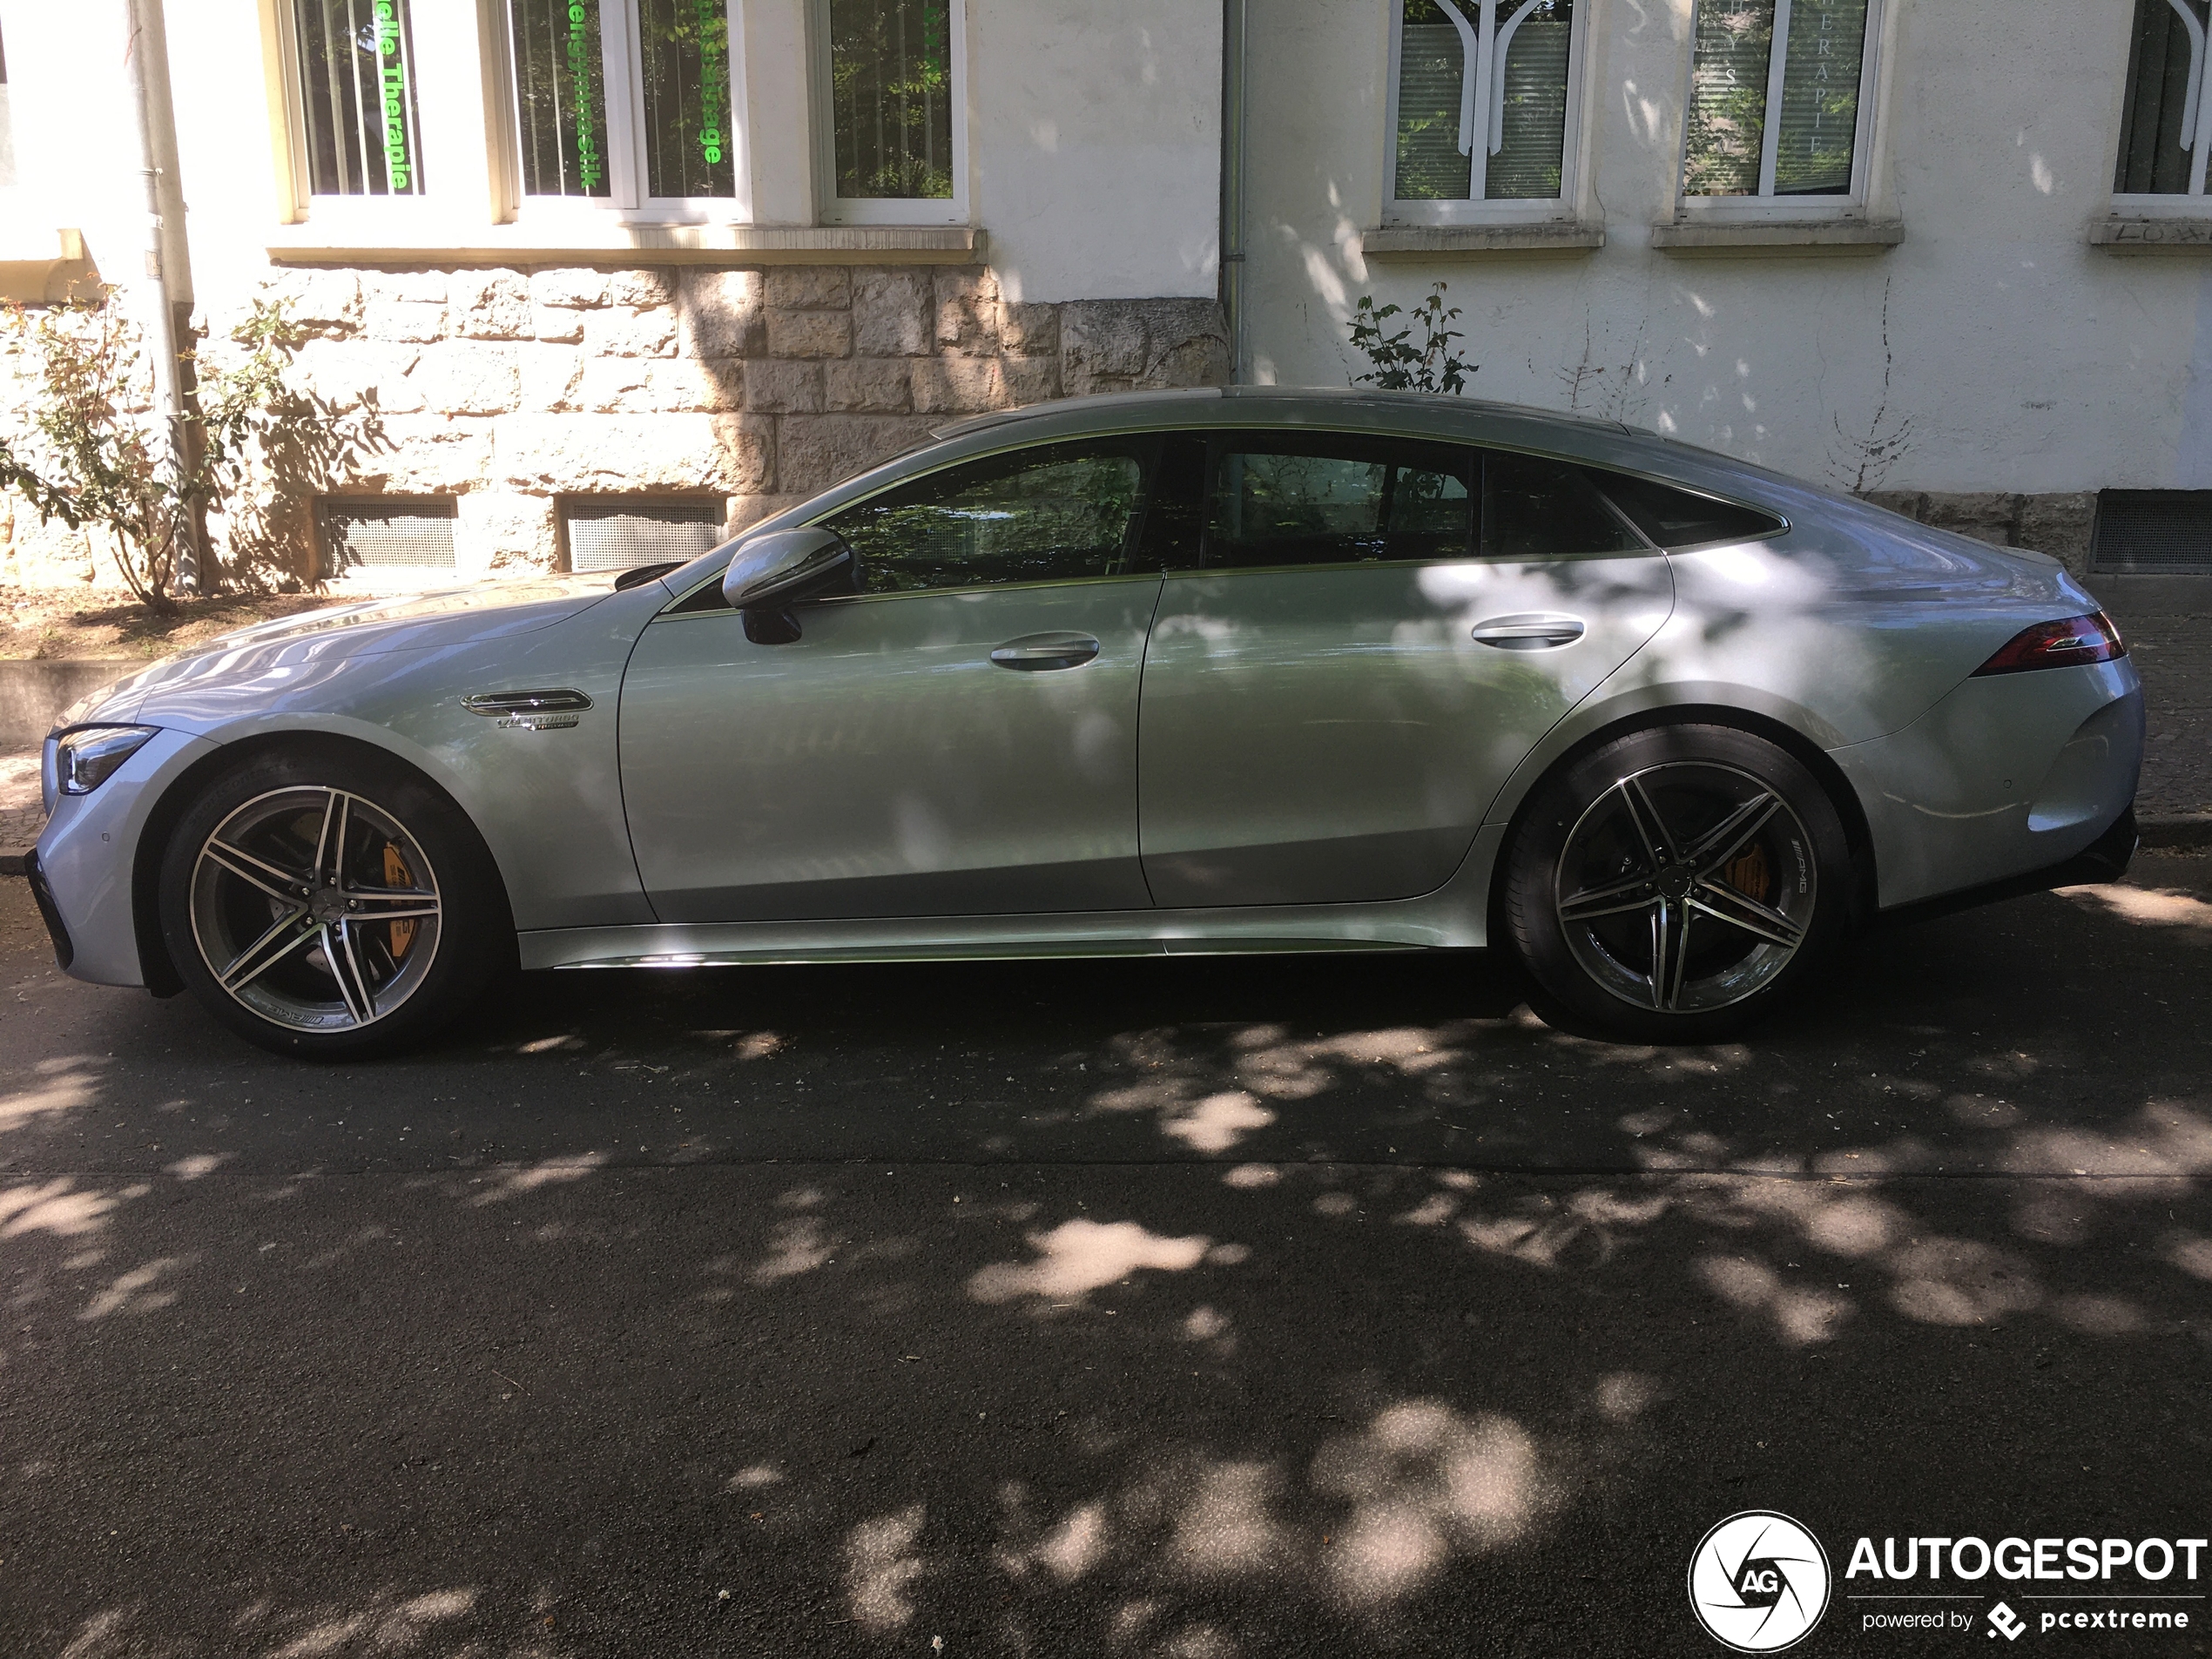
(1166, 433)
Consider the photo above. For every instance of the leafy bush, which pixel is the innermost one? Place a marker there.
(85, 445)
(1397, 364)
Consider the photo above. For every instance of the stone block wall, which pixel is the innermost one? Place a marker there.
(2057, 524)
(506, 388)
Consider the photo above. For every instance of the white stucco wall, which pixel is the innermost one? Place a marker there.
(1096, 137)
(2018, 357)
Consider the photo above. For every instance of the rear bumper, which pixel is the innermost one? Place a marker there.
(2104, 859)
(2006, 777)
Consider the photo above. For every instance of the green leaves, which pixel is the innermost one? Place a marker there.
(1398, 364)
(89, 445)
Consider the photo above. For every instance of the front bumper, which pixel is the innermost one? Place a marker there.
(86, 857)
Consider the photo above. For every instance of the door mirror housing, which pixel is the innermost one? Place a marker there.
(784, 567)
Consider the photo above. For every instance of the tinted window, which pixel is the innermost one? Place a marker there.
(1057, 514)
(1284, 500)
(1534, 509)
(1679, 518)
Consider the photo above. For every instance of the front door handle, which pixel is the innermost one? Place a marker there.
(1529, 631)
(1035, 651)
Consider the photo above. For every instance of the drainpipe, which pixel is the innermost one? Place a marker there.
(1232, 183)
(143, 19)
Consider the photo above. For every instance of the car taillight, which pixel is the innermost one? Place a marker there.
(2058, 644)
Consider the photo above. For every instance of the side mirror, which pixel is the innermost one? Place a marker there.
(770, 573)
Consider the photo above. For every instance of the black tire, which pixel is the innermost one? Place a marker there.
(399, 891)
(1638, 912)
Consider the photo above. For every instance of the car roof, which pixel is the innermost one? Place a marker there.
(1605, 442)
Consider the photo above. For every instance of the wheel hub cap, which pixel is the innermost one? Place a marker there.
(1667, 887)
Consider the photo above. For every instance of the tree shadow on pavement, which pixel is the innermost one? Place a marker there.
(1165, 1309)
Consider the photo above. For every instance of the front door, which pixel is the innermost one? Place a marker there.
(1376, 631)
(958, 738)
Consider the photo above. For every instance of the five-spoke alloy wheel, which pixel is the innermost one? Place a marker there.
(1675, 881)
(328, 903)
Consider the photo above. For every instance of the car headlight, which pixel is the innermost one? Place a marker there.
(85, 758)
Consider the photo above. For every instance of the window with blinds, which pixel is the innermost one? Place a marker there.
(619, 532)
(1776, 89)
(1482, 92)
(357, 94)
(891, 98)
(384, 533)
(684, 90)
(560, 96)
(2163, 140)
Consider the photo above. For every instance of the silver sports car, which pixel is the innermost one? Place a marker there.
(1204, 671)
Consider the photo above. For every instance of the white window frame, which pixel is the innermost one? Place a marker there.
(1765, 204)
(626, 200)
(1480, 210)
(833, 209)
(2192, 203)
(362, 214)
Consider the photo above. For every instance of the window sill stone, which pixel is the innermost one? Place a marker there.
(632, 243)
(1789, 238)
(2151, 233)
(1431, 241)
(43, 266)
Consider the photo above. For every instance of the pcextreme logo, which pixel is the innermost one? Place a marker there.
(1759, 1582)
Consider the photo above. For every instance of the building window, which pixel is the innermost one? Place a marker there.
(560, 96)
(7, 127)
(625, 101)
(1484, 92)
(1779, 94)
(2152, 532)
(356, 60)
(619, 532)
(386, 533)
(895, 140)
(2164, 140)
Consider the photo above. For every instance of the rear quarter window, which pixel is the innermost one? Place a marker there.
(1673, 518)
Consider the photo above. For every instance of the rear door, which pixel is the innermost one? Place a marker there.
(1368, 636)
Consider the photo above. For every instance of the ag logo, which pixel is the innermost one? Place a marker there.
(1759, 1582)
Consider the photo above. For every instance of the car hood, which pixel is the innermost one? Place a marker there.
(461, 615)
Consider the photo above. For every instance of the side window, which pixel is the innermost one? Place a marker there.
(1679, 517)
(1278, 500)
(1059, 513)
(1535, 509)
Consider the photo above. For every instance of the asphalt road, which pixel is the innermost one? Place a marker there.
(1187, 1308)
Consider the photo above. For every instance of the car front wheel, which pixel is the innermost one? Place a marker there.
(327, 902)
(1678, 882)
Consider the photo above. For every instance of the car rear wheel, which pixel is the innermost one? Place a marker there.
(1677, 883)
(329, 903)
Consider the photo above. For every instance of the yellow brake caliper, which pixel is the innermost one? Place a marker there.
(1746, 872)
(396, 875)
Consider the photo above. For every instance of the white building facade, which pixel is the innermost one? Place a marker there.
(614, 276)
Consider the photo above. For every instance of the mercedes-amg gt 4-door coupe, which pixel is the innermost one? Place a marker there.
(1239, 670)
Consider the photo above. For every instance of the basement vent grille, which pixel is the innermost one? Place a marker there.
(2153, 532)
(387, 535)
(618, 532)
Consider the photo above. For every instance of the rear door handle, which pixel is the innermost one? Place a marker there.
(1034, 652)
(1532, 631)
